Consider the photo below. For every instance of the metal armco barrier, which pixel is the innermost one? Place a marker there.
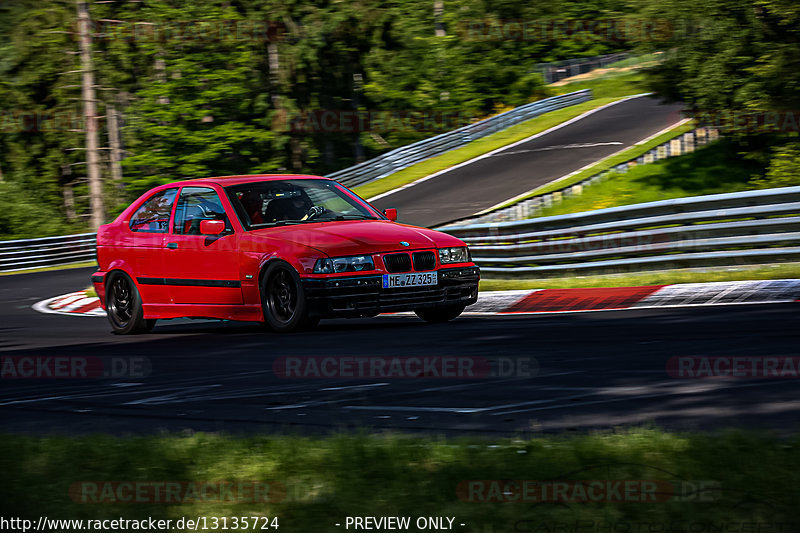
(557, 71)
(748, 227)
(47, 251)
(716, 230)
(406, 156)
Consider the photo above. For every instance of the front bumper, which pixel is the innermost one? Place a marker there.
(98, 281)
(364, 296)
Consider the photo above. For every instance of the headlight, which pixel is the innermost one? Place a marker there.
(454, 255)
(356, 263)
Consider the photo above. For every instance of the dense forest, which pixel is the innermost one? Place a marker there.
(229, 87)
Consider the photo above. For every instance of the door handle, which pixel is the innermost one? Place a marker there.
(172, 245)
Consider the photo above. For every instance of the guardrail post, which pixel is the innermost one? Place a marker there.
(688, 139)
(675, 147)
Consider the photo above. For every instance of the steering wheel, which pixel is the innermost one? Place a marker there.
(315, 211)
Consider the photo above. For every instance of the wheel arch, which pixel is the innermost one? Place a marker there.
(269, 261)
(122, 266)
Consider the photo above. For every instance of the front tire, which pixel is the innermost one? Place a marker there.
(124, 306)
(440, 314)
(282, 298)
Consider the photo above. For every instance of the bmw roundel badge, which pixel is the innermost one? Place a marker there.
(404, 243)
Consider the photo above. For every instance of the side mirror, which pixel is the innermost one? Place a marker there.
(212, 227)
(391, 213)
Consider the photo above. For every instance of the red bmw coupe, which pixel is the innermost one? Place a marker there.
(283, 250)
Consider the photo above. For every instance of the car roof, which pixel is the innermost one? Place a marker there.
(251, 178)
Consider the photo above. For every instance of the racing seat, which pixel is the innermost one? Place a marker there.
(282, 209)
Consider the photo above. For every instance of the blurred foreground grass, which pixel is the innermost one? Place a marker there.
(748, 478)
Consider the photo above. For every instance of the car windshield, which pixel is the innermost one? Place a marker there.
(283, 202)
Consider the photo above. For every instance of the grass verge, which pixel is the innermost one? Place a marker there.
(610, 84)
(705, 171)
(663, 277)
(694, 478)
(609, 162)
(604, 91)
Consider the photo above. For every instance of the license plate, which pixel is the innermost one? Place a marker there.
(391, 281)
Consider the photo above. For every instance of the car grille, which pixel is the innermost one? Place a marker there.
(367, 299)
(364, 295)
(424, 261)
(397, 262)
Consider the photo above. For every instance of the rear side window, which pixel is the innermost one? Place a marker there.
(196, 204)
(153, 215)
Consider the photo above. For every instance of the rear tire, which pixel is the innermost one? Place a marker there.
(440, 314)
(124, 305)
(283, 299)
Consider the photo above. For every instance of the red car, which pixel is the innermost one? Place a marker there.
(284, 250)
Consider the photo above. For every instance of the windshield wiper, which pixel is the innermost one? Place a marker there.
(279, 223)
(347, 217)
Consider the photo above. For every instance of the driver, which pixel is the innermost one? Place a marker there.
(288, 206)
(253, 204)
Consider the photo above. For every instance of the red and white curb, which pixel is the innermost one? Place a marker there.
(75, 303)
(556, 300)
(649, 296)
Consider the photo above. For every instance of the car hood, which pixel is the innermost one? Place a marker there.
(355, 237)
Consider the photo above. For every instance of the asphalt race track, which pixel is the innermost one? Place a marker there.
(595, 370)
(471, 188)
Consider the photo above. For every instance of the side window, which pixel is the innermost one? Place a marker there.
(153, 215)
(196, 204)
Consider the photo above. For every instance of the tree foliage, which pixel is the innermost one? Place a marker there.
(196, 103)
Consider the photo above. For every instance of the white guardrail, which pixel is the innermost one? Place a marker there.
(750, 227)
(25, 254)
(405, 156)
(716, 230)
